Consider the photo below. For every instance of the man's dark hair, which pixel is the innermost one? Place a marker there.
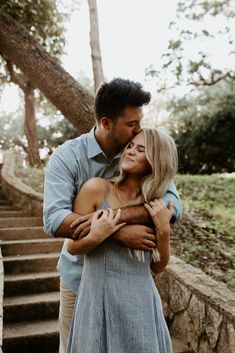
(113, 97)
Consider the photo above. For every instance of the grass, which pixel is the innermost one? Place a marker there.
(205, 237)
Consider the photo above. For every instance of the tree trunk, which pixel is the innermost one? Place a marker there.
(45, 73)
(95, 44)
(30, 128)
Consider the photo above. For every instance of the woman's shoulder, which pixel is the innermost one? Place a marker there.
(95, 184)
(95, 188)
(92, 193)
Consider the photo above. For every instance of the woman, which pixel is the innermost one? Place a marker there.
(118, 308)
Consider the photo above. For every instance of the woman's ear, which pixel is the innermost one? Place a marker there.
(106, 123)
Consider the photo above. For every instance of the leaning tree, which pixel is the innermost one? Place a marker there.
(44, 72)
(44, 22)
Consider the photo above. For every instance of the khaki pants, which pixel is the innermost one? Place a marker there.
(67, 301)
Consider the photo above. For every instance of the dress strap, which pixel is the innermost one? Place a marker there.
(106, 190)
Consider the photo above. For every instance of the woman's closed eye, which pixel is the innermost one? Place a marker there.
(130, 145)
(141, 149)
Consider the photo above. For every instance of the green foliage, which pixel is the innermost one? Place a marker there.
(41, 18)
(33, 177)
(11, 132)
(199, 22)
(213, 198)
(204, 131)
(50, 135)
(58, 131)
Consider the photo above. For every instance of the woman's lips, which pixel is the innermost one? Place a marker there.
(128, 159)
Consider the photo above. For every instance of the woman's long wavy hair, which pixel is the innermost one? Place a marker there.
(161, 154)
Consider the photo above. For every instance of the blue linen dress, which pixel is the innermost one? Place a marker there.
(118, 308)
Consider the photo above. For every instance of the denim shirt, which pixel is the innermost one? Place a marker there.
(69, 167)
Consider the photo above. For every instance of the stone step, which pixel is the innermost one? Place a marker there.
(5, 203)
(22, 233)
(179, 346)
(30, 263)
(8, 208)
(3, 196)
(10, 213)
(32, 307)
(36, 337)
(31, 246)
(30, 283)
(20, 222)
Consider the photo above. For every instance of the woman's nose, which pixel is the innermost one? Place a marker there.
(131, 151)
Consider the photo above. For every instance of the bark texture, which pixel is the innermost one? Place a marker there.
(95, 44)
(44, 72)
(30, 128)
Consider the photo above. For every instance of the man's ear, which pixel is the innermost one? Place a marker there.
(106, 123)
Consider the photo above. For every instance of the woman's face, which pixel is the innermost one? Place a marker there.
(134, 158)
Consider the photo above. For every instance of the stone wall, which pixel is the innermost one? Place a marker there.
(197, 308)
(22, 196)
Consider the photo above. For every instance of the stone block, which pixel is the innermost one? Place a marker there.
(179, 296)
(204, 346)
(213, 322)
(226, 343)
(183, 326)
(197, 313)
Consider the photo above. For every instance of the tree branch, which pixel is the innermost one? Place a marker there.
(228, 76)
(13, 77)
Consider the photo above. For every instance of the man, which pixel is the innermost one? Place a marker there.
(118, 112)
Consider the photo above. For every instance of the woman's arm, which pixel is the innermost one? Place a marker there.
(161, 216)
(103, 223)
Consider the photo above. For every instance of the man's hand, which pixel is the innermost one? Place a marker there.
(137, 237)
(82, 225)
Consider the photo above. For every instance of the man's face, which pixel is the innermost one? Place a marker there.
(127, 126)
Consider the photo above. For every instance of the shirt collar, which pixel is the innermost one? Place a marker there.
(94, 149)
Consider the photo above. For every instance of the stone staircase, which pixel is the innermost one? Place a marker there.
(31, 284)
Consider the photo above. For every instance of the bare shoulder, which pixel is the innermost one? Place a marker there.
(94, 188)
(90, 196)
(94, 184)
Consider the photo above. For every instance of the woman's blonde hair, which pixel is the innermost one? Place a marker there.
(161, 154)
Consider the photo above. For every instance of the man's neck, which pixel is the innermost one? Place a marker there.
(109, 147)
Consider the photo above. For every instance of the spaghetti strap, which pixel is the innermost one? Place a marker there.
(104, 203)
(106, 190)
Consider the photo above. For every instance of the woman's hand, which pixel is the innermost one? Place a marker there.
(161, 214)
(104, 223)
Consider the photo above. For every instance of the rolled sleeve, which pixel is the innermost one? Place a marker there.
(59, 189)
(173, 195)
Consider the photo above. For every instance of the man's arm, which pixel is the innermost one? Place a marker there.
(173, 196)
(59, 192)
(66, 231)
(136, 237)
(139, 215)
